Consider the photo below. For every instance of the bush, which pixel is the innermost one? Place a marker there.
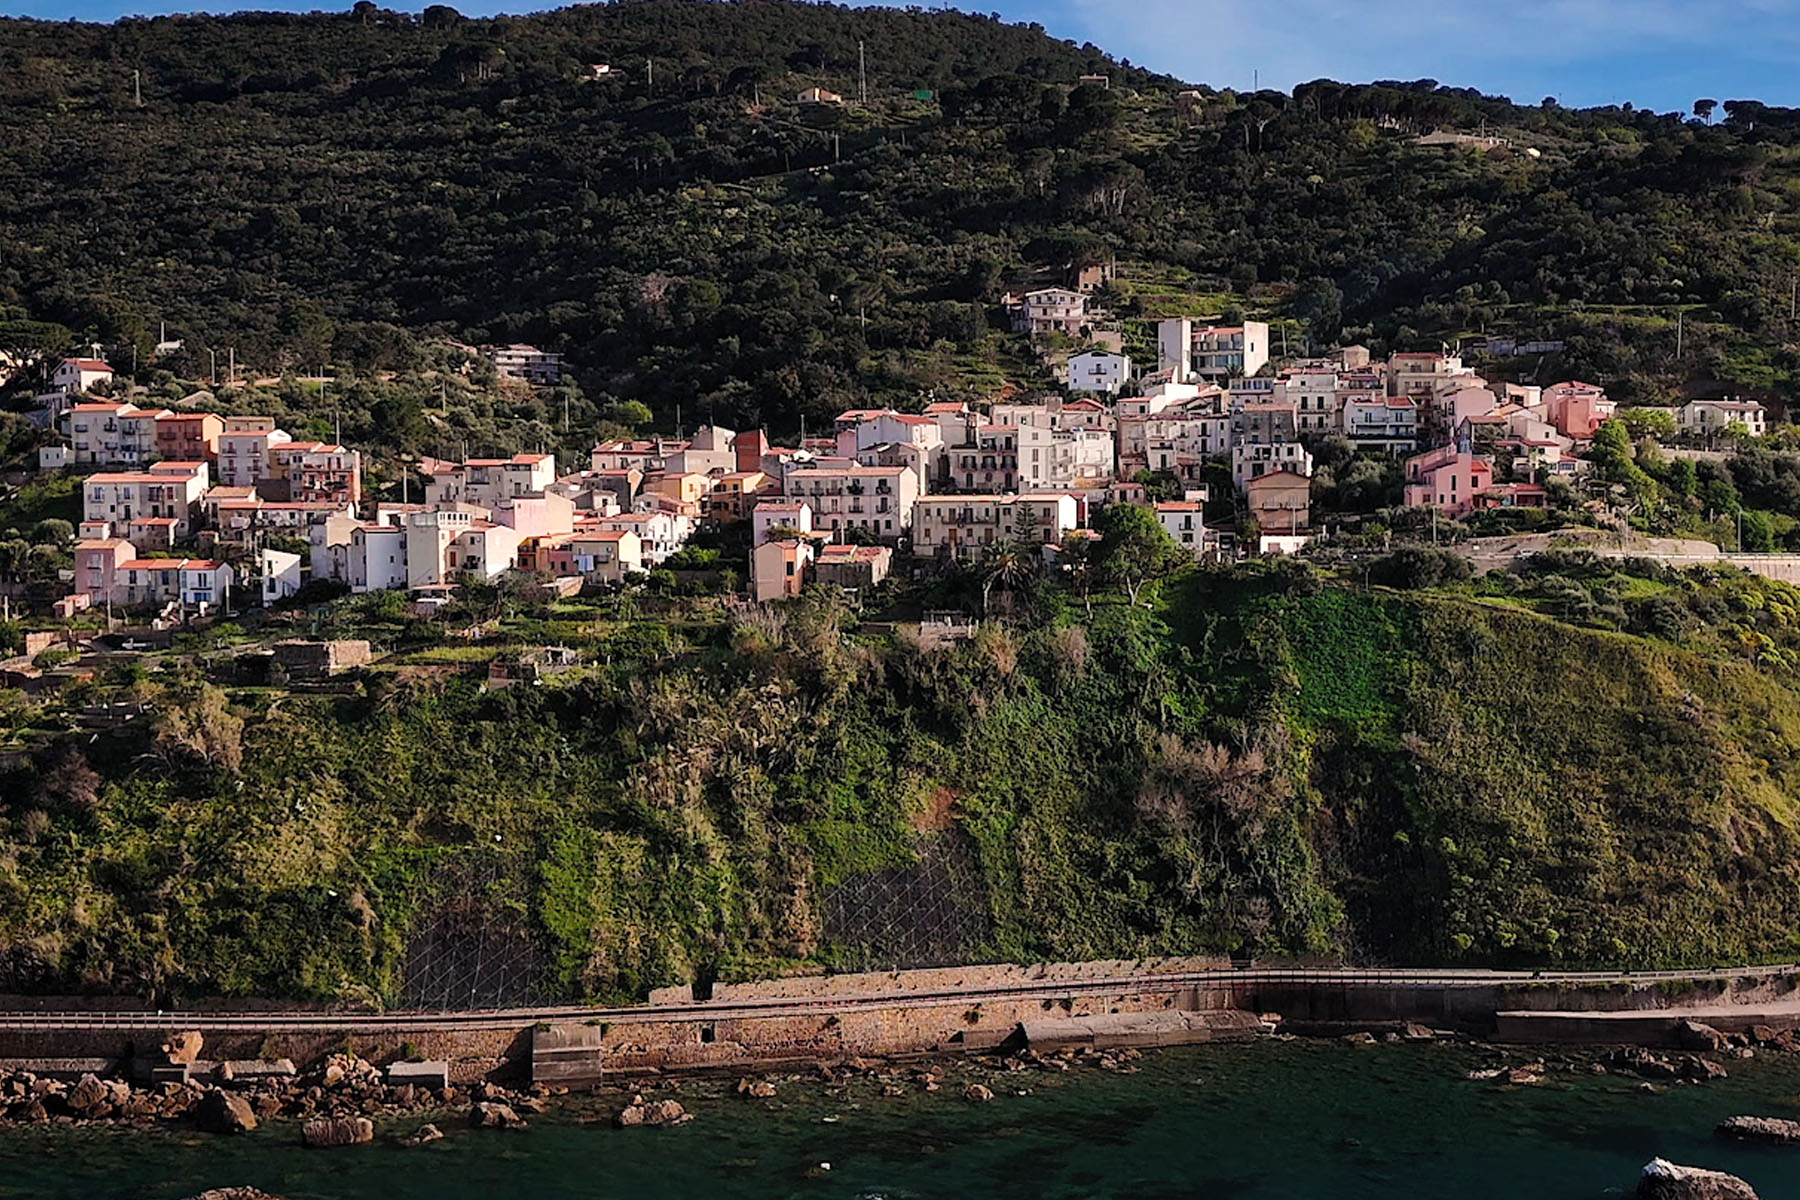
(1412, 568)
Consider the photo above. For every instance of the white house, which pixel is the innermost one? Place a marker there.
(779, 513)
(79, 374)
(1707, 417)
(280, 574)
(1181, 519)
(1098, 371)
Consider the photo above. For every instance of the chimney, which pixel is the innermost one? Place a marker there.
(750, 447)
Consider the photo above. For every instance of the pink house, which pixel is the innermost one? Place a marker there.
(1577, 409)
(1447, 480)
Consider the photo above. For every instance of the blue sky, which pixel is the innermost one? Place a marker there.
(1662, 54)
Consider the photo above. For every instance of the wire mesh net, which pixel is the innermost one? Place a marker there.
(931, 913)
(469, 951)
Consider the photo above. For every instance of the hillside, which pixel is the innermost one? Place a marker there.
(331, 188)
(1265, 763)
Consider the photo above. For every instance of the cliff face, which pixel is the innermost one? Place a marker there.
(1252, 766)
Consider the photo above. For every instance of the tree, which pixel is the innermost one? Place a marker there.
(1005, 567)
(1134, 548)
(1704, 109)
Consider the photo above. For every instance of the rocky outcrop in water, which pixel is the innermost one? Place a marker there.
(1773, 1131)
(1664, 1180)
(338, 1131)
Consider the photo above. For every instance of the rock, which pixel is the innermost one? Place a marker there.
(1523, 1076)
(1773, 1130)
(423, 1135)
(1359, 1039)
(87, 1095)
(1642, 1063)
(183, 1048)
(234, 1193)
(334, 1074)
(1696, 1035)
(1664, 1180)
(756, 1089)
(224, 1112)
(1485, 1074)
(488, 1115)
(340, 1131)
(1701, 1070)
(1762, 1035)
(665, 1112)
(975, 1093)
(1412, 1031)
(629, 1117)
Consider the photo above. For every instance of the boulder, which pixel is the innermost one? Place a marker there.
(1412, 1031)
(1775, 1131)
(756, 1089)
(1359, 1039)
(629, 1117)
(666, 1112)
(234, 1193)
(88, 1095)
(488, 1115)
(1696, 1035)
(424, 1134)
(1701, 1070)
(183, 1048)
(1664, 1180)
(975, 1093)
(338, 1131)
(224, 1112)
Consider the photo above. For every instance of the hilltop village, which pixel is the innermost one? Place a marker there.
(187, 513)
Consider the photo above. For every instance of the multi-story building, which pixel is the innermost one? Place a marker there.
(1314, 396)
(1214, 352)
(79, 374)
(1183, 521)
(988, 461)
(317, 472)
(967, 526)
(1389, 423)
(1055, 459)
(878, 500)
(201, 584)
(97, 566)
(734, 495)
(1708, 417)
(1051, 310)
(488, 481)
(164, 490)
(189, 436)
(539, 368)
(1448, 480)
(246, 445)
(97, 431)
(1265, 424)
(1253, 461)
(1098, 371)
(660, 534)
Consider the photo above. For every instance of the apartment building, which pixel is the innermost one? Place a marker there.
(876, 499)
(967, 526)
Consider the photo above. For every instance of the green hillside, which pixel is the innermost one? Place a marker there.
(1263, 763)
(332, 188)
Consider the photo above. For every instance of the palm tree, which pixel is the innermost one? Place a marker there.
(1006, 567)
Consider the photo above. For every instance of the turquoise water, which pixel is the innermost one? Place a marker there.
(1219, 1123)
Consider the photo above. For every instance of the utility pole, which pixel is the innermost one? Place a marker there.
(862, 74)
(1678, 319)
(213, 375)
(137, 88)
(231, 366)
(650, 75)
(1794, 299)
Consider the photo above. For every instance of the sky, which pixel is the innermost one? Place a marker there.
(1660, 54)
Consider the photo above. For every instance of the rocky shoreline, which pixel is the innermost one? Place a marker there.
(344, 1100)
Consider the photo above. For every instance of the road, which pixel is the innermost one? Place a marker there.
(292, 1021)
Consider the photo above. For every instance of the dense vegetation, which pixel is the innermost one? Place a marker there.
(1258, 760)
(329, 188)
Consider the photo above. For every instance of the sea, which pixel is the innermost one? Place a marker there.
(1265, 1121)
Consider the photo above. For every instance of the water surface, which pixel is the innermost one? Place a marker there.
(1287, 1121)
